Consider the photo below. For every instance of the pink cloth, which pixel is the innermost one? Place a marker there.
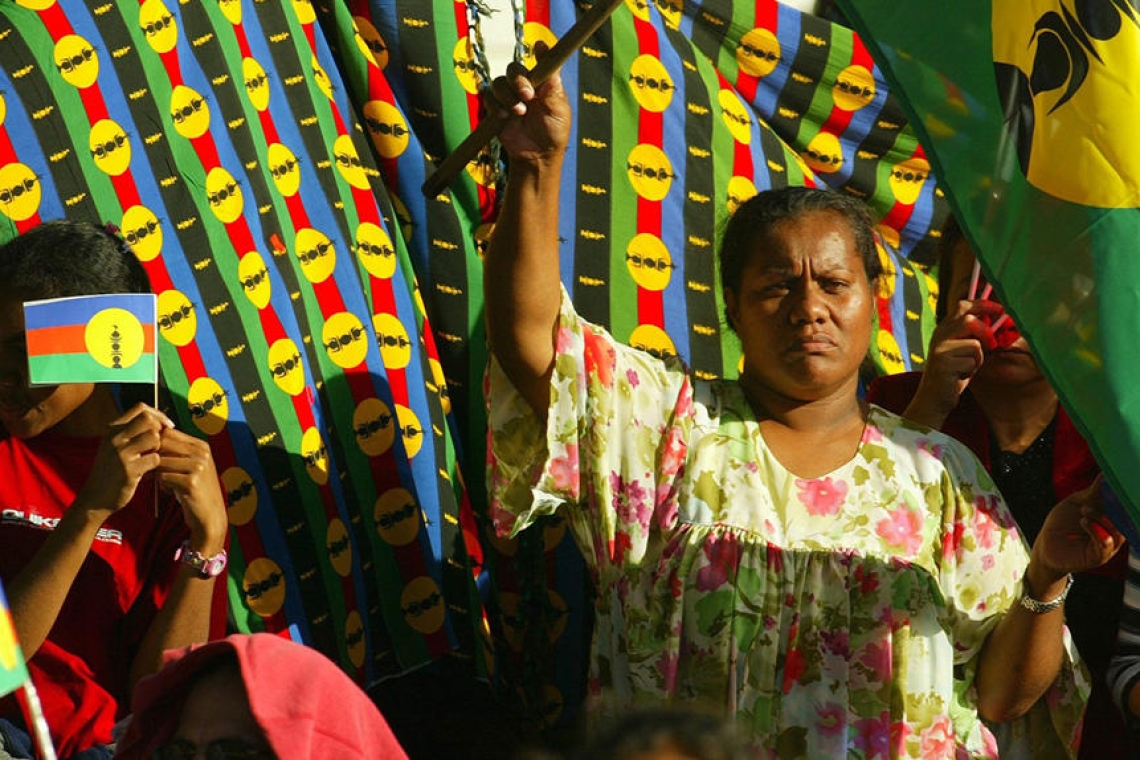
(308, 708)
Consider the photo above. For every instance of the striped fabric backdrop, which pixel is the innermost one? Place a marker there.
(320, 320)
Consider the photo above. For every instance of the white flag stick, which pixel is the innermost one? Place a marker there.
(38, 722)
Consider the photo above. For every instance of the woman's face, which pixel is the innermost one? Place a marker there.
(25, 412)
(803, 308)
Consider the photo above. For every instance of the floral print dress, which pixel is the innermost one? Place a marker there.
(839, 616)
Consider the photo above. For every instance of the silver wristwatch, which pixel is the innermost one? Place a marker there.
(1039, 607)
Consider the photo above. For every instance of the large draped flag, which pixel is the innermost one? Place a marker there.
(1029, 109)
(221, 139)
(320, 321)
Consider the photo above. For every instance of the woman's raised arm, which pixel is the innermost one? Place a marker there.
(520, 268)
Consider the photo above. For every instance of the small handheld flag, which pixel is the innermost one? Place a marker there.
(14, 675)
(13, 672)
(92, 339)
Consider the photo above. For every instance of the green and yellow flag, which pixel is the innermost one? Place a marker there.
(1028, 109)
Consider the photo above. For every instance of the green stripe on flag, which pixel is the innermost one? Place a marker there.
(82, 368)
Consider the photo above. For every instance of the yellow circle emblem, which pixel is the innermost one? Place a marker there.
(263, 587)
(649, 171)
(114, 338)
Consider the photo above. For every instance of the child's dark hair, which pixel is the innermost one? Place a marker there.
(757, 217)
(65, 258)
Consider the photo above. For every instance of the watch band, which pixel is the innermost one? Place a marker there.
(1038, 607)
(207, 567)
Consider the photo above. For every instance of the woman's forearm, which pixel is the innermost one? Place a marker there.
(522, 282)
(1023, 654)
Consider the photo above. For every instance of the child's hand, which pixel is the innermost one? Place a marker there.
(187, 470)
(128, 452)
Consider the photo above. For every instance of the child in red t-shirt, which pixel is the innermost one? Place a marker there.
(100, 581)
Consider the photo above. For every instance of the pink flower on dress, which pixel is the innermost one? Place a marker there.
(723, 554)
(674, 451)
(873, 736)
(937, 739)
(821, 496)
(899, 733)
(952, 539)
(775, 559)
(632, 377)
(836, 642)
(832, 719)
(984, 528)
(631, 502)
(868, 580)
(564, 339)
(933, 450)
(599, 357)
(872, 434)
(877, 658)
(988, 562)
(564, 470)
(903, 529)
(668, 510)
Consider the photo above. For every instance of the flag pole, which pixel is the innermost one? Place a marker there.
(491, 123)
(38, 722)
(156, 489)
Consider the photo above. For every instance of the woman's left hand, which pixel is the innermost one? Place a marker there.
(1077, 536)
(187, 470)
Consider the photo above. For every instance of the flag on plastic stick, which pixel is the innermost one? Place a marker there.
(13, 672)
(14, 675)
(1027, 109)
(92, 339)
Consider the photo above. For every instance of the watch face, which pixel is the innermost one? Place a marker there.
(214, 566)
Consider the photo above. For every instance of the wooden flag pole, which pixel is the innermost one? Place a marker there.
(491, 123)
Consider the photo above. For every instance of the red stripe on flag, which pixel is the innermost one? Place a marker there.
(71, 339)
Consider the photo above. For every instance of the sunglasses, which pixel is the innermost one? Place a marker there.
(221, 749)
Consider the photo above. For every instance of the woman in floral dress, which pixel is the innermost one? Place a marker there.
(844, 582)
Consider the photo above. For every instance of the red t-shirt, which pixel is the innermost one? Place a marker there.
(82, 670)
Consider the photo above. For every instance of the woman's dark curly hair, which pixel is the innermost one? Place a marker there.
(757, 217)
